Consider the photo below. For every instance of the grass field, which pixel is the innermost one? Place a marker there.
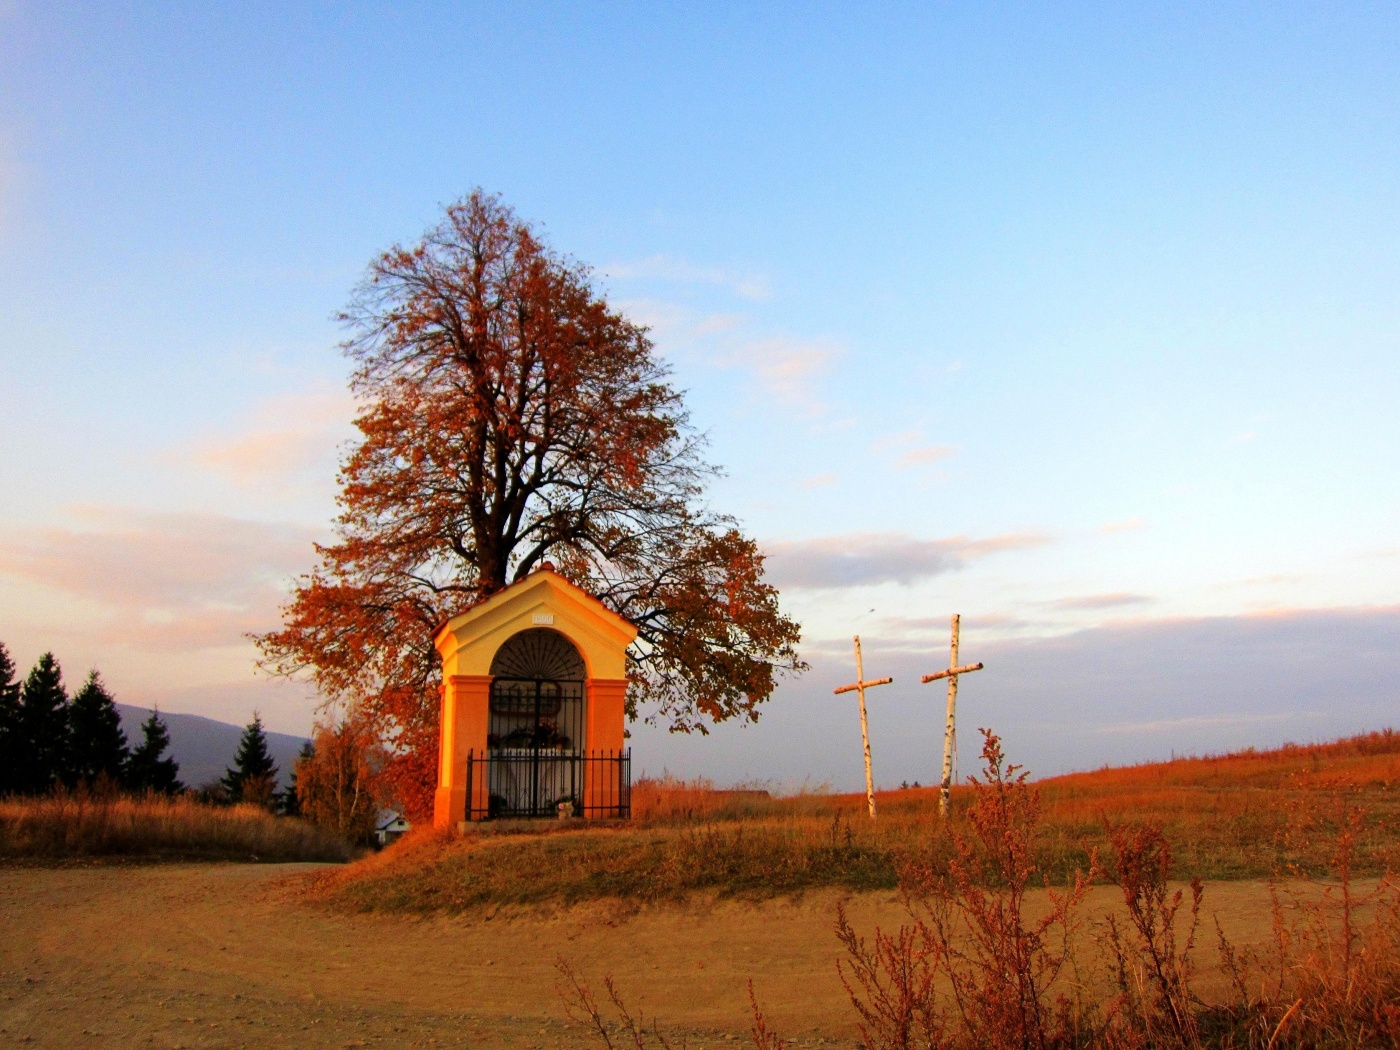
(76, 828)
(1238, 816)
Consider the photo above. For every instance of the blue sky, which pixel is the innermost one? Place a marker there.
(1080, 321)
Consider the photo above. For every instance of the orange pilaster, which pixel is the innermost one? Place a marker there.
(606, 717)
(466, 714)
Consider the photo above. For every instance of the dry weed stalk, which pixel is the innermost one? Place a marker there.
(969, 930)
(764, 1038)
(1156, 1005)
(581, 1007)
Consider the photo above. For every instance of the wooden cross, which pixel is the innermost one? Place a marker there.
(950, 731)
(860, 686)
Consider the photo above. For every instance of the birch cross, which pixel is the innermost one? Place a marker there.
(860, 686)
(950, 730)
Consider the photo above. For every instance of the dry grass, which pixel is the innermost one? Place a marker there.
(1230, 817)
(970, 968)
(67, 828)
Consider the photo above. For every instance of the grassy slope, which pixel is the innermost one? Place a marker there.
(1244, 815)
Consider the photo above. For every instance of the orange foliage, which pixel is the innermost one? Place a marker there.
(340, 784)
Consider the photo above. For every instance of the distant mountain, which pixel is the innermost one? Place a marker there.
(205, 748)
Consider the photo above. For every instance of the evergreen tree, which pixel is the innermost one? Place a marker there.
(9, 724)
(291, 801)
(97, 745)
(147, 770)
(253, 774)
(43, 729)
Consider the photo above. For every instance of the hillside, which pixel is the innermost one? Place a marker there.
(204, 747)
(1240, 816)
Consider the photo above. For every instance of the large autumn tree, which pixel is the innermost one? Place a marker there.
(511, 416)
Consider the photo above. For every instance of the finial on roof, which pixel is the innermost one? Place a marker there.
(547, 566)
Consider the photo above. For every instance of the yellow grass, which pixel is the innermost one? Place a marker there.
(75, 827)
(1250, 815)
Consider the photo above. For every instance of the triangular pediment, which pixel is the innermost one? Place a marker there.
(469, 640)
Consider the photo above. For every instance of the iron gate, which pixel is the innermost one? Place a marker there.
(537, 783)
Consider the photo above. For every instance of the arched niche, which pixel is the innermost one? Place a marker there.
(537, 694)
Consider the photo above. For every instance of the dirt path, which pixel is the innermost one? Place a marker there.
(224, 956)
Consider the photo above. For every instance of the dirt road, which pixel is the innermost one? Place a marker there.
(227, 956)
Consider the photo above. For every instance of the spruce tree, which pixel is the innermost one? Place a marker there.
(253, 773)
(147, 770)
(291, 801)
(43, 729)
(9, 724)
(97, 745)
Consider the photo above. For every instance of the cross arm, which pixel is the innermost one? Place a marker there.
(964, 669)
(863, 685)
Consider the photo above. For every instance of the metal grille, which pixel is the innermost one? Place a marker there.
(533, 783)
(538, 652)
(536, 715)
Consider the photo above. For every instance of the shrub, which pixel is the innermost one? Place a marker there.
(340, 785)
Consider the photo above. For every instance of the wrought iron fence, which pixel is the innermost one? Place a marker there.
(513, 783)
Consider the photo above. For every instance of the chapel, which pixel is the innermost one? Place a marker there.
(534, 706)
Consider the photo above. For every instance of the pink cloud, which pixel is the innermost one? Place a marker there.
(182, 581)
(285, 438)
(923, 455)
(1101, 601)
(870, 558)
(912, 449)
(1126, 525)
(788, 368)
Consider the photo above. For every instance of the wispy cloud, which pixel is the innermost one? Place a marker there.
(787, 368)
(184, 581)
(911, 448)
(782, 367)
(1169, 725)
(743, 283)
(280, 443)
(1126, 525)
(818, 481)
(1271, 579)
(1101, 601)
(922, 455)
(925, 628)
(869, 558)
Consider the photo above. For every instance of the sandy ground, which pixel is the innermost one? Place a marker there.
(227, 956)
